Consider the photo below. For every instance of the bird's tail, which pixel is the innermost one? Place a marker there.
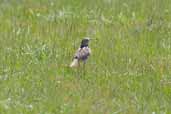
(74, 63)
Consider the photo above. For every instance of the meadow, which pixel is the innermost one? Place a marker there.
(129, 71)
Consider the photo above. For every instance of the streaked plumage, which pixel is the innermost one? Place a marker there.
(82, 53)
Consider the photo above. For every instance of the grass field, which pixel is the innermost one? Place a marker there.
(129, 71)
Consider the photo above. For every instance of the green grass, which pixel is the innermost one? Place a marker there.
(129, 71)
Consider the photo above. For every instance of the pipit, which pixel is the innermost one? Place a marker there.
(82, 53)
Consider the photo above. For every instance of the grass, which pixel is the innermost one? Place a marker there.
(129, 71)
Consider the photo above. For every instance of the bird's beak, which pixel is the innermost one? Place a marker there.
(94, 39)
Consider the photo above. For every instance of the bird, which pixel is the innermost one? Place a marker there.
(82, 53)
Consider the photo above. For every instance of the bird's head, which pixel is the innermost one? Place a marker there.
(84, 42)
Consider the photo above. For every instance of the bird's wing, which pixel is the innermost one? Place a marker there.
(82, 53)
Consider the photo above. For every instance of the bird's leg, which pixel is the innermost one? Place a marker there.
(84, 67)
(79, 70)
(78, 63)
